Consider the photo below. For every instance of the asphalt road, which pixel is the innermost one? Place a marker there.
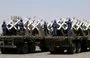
(46, 55)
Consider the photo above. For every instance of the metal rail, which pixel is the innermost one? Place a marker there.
(36, 37)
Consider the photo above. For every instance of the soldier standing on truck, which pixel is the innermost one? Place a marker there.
(55, 26)
(22, 30)
(4, 28)
(45, 28)
(69, 24)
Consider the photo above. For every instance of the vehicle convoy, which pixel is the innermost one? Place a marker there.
(70, 36)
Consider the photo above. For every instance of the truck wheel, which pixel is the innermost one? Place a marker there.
(88, 48)
(84, 49)
(31, 48)
(78, 49)
(72, 50)
(52, 52)
(25, 49)
(43, 48)
(3, 51)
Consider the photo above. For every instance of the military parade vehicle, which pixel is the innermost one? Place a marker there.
(24, 40)
(68, 35)
(75, 42)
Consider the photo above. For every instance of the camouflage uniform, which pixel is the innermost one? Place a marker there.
(4, 28)
(55, 26)
(69, 31)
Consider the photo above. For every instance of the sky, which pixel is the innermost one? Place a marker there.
(44, 9)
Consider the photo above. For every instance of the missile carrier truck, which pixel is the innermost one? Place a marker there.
(78, 42)
(21, 44)
(13, 42)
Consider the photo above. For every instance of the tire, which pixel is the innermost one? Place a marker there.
(84, 49)
(31, 48)
(52, 52)
(25, 49)
(3, 51)
(72, 50)
(43, 48)
(78, 48)
(88, 48)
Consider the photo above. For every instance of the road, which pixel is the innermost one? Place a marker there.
(46, 55)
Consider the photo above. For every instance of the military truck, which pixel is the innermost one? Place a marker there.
(78, 42)
(13, 42)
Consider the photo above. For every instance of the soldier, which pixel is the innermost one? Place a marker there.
(21, 25)
(55, 26)
(69, 23)
(45, 28)
(4, 28)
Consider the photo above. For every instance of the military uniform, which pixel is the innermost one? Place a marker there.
(4, 28)
(45, 28)
(22, 30)
(55, 26)
(69, 31)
